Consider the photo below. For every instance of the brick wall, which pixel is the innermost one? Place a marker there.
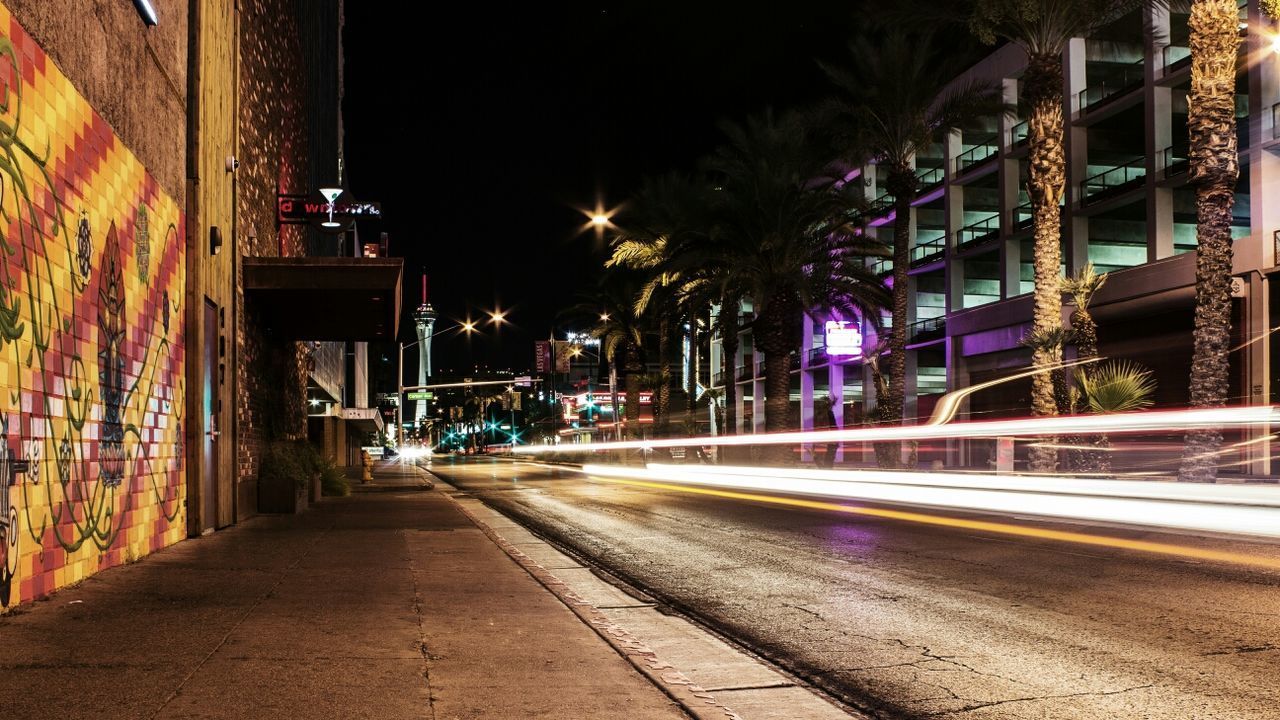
(274, 160)
(91, 289)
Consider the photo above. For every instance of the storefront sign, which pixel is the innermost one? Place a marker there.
(305, 209)
(843, 339)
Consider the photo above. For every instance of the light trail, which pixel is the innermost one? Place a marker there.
(1157, 421)
(1225, 509)
(1168, 549)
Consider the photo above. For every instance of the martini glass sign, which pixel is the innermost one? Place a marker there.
(330, 194)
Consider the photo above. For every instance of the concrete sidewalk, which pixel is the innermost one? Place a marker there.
(389, 604)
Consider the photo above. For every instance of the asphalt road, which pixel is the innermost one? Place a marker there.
(908, 620)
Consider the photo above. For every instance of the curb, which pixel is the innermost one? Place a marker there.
(693, 699)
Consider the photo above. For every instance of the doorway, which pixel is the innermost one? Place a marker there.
(209, 412)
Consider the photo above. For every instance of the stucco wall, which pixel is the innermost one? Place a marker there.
(135, 77)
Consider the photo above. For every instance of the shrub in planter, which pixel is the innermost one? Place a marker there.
(285, 475)
(333, 481)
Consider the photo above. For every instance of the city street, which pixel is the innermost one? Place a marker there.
(913, 620)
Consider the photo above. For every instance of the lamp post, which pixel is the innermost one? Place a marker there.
(466, 327)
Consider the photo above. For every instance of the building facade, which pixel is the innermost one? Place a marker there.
(142, 364)
(1127, 210)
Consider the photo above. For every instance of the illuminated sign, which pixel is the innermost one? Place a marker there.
(843, 339)
(315, 209)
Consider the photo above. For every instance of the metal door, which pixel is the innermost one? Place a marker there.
(209, 410)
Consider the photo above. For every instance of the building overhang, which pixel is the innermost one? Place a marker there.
(326, 298)
(366, 419)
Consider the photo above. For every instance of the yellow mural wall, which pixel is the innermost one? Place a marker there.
(91, 337)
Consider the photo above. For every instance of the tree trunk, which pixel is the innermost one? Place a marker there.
(729, 360)
(1214, 168)
(1045, 184)
(902, 184)
(1093, 454)
(662, 394)
(634, 368)
(777, 335)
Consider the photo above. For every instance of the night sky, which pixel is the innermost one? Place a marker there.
(482, 130)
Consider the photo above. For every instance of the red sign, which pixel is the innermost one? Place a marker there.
(304, 209)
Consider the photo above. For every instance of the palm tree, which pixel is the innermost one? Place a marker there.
(667, 215)
(786, 219)
(895, 102)
(621, 333)
(1088, 453)
(1042, 28)
(1214, 169)
(1081, 288)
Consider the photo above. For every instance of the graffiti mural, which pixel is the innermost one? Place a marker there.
(91, 347)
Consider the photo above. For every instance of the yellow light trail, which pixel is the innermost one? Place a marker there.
(1143, 546)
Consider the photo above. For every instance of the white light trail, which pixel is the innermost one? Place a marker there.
(1226, 509)
(1157, 421)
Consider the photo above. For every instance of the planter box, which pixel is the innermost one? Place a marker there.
(284, 497)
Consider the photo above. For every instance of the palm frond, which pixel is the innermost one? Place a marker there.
(1117, 386)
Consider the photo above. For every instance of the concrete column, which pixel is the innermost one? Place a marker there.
(835, 390)
(1076, 236)
(1158, 109)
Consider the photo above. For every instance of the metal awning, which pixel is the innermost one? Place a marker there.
(326, 298)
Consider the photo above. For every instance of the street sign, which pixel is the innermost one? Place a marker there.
(421, 395)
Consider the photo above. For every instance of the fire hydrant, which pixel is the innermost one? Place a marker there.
(367, 460)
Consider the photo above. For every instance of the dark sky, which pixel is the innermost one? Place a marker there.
(481, 128)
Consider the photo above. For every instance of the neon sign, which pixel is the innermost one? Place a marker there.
(843, 339)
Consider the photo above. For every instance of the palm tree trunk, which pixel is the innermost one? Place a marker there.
(1094, 455)
(777, 392)
(1214, 169)
(729, 361)
(777, 335)
(662, 394)
(1045, 184)
(901, 183)
(634, 368)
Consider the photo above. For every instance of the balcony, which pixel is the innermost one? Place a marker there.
(930, 178)
(981, 152)
(929, 250)
(1175, 57)
(743, 373)
(928, 329)
(717, 379)
(1113, 182)
(760, 369)
(878, 208)
(1121, 81)
(1018, 135)
(817, 356)
(977, 233)
(1173, 161)
(881, 266)
(1023, 217)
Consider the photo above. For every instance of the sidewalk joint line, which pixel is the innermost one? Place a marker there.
(248, 611)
